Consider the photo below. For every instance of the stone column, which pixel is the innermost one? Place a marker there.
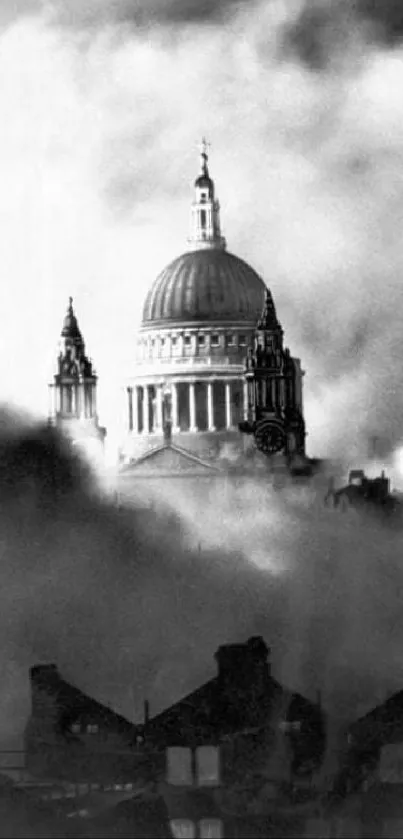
(282, 394)
(273, 393)
(158, 425)
(52, 403)
(146, 410)
(82, 400)
(135, 409)
(192, 407)
(93, 400)
(210, 407)
(64, 399)
(245, 401)
(174, 404)
(130, 407)
(264, 388)
(228, 406)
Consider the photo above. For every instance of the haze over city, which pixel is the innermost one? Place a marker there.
(103, 106)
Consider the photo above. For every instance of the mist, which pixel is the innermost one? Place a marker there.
(132, 603)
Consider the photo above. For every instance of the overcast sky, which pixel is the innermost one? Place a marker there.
(102, 106)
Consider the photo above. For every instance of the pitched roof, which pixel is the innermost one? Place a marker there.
(198, 715)
(74, 703)
(383, 724)
(171, 460)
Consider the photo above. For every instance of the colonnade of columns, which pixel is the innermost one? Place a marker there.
(73, 400)
(141, 420)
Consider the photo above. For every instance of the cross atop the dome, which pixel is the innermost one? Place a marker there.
(204, 145)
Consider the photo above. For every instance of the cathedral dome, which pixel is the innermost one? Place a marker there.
(205, 285)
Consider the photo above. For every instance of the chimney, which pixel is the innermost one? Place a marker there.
(243, 664)
(45, 683)
(44, 675)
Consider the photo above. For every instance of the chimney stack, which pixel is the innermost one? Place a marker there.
(243, 663)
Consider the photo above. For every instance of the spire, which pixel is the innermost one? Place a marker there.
(268, 318)
(206, 229)
(204, 158)
(73, 392)
(70, 325)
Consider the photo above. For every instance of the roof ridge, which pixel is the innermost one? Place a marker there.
(173, 447)
(193, 456)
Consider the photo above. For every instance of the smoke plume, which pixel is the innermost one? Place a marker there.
(113, 597)
(93, 15)
(133, 603)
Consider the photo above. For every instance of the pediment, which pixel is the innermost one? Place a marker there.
(168, 460)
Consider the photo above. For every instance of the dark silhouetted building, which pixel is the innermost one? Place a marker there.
(243, 708)
(72, 737)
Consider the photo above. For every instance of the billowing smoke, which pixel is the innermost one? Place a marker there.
(321, 29)
(132, 603)
(96, 14)
(113, 597)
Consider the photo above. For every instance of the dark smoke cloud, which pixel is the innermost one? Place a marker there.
(133, 603)
(318, 32)
(142, 12)
(325, 29)
(387, 15)
(95, 14)
(112, 597)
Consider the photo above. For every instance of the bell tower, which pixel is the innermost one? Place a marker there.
(206, 228)
(73, 393)
(274, 386)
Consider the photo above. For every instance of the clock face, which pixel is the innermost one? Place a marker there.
(269, 438)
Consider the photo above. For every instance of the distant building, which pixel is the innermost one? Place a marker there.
(244, 709)
(362, 492)
(72, 737)
(73, 393)
(210, 363)
(210, 357)
(370, 781)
